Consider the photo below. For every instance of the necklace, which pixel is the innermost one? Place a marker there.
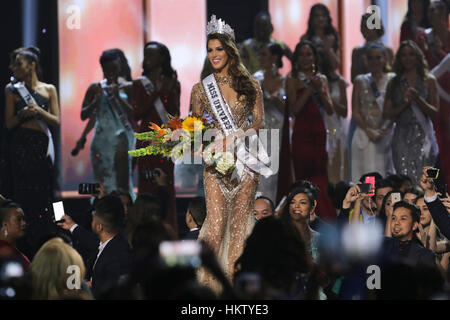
(223, 80)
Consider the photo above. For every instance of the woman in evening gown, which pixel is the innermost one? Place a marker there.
(229, 200)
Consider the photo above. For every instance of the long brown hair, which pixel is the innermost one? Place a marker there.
(399, 69)
(241, 78)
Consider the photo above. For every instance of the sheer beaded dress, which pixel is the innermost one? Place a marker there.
(229, 202)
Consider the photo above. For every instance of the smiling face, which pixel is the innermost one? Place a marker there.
(425, 216)
(376, 60)
(217, 54)
(300, 207)
(15, 225)
(21, 67)
(402, 224)
(111, 71)
(408, 58)
(320, 18)
(306, 58)
(262, 209)
(266, 59)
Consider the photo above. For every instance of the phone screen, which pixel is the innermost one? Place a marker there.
(433, 173)
(184, 253)
(58, 210)
(395, 197)
(365, 187)
(371, 180)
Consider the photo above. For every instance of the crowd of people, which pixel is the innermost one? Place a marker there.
(308, 231)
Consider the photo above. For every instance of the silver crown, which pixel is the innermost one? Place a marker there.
(219, 26)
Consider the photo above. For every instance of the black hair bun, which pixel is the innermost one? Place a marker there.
(35, 50)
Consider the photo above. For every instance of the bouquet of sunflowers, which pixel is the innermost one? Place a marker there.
(176, 140)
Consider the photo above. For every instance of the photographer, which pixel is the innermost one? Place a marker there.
(439, 208)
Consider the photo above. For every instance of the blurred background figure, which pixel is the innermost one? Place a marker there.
(250, 48)
(273, 86)
(195, 215)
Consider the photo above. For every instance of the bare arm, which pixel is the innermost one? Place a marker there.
(389, 111)
(11, 119)
(52, 116)
(91, 100)
(341, 106)
(324, 95)
(356, 115)
(429, 108)
(296, 104)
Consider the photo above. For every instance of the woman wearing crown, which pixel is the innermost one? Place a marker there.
(229, 95)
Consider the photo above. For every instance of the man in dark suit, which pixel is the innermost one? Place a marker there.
(109, 258)
(404, 246)
(439, 208)
(195, 216)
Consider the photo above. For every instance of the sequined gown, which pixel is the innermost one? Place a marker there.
(337, 141)
(366, 155)
(309, 154)
(273, 119)
(109, 149)
(409, 139)
(229, 203)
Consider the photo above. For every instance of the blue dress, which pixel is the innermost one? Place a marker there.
(109, 150)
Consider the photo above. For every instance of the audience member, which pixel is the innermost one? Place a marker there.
(263, 208)
(12, 228)
(53, 268)
(111, 259)
(412, 193)
(195, 216)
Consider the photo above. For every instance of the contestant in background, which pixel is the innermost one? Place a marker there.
(110, 106)
(31, 108)
(250, 48)
(273, 86)
(371, 145)
(412, 101)
(309, 100)
(156, 97)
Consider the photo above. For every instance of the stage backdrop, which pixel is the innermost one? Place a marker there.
(86, 28)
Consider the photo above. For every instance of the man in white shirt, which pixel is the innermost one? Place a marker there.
(111, 256)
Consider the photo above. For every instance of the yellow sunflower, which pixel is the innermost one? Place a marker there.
(191, 123)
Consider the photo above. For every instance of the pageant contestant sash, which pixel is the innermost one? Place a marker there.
(259, 162)
(425, 122)
(115, 105)
(149, 87)
(27, 97)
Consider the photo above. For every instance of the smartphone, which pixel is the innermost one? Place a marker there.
(433, 173)
(365, 187)
(395, 197)
(371, 180)
(89, 188)
(184, 253)
(58, 211)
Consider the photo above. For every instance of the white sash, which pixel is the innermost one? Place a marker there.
(148, 85)
(259, 162)
(27, 97)
(115, 105)
(430, 142)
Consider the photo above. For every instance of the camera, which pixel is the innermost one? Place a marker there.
(89, 188)
(150, 174)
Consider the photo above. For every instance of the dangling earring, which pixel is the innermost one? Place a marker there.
(274, 69)
(314, 68)
(6, 233)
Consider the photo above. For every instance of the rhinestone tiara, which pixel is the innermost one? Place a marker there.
(219, 26)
